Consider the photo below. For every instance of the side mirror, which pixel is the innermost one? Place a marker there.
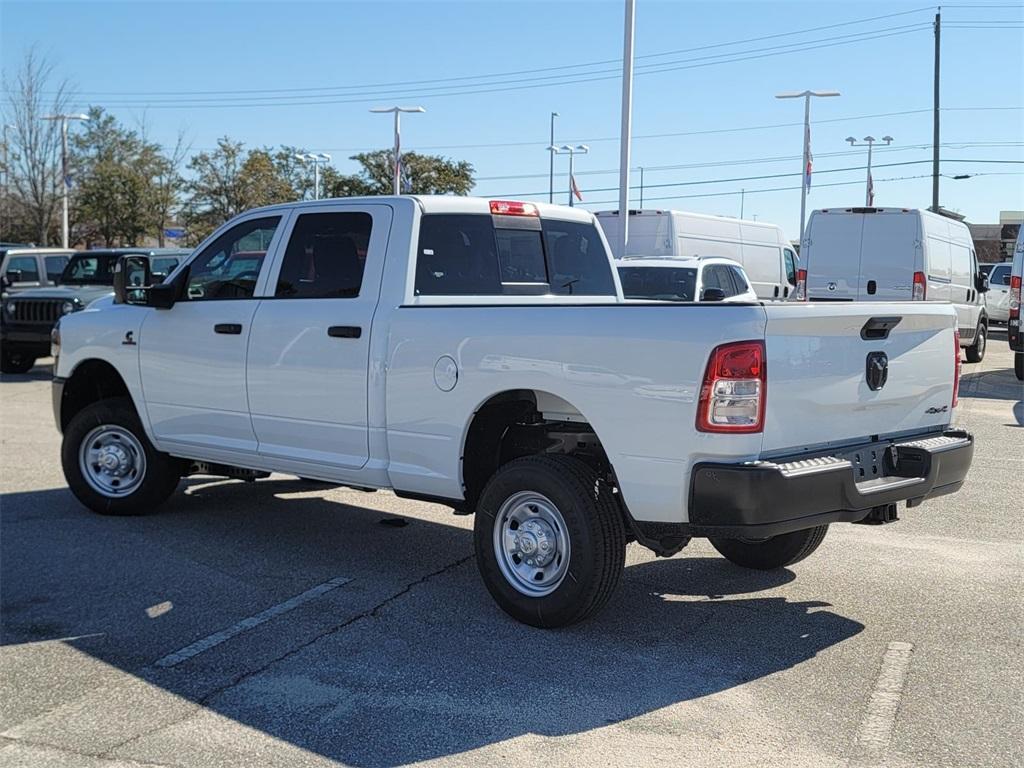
(13, 275)
(1007, 279)
(981, 283)
(712, 294)
(132, 280)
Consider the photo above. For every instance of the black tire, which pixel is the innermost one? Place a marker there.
(976, 352)
(1018, 365)
(594, 527)
(13, 361)
(159, 476)
(775, 552)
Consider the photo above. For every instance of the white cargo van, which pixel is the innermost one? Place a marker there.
(896, 254)
(766, 255)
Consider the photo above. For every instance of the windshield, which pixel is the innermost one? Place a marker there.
(90, 269)
(659, 283)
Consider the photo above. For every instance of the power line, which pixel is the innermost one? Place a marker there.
(514, 72)
(471, 89)
(763, 177)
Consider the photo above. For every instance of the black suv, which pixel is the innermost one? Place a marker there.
(26, 318)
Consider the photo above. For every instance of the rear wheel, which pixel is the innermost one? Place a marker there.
(1018, 365)
(550, 541)
(13, 361)
(111, 466)
(774, 552)
(976, 352)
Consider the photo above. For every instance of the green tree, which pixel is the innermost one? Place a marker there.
(230, 180)
(421, 175)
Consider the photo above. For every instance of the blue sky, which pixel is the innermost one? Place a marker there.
(152, 61)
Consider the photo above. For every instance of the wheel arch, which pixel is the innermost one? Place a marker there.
(91, 380)
(519, 422)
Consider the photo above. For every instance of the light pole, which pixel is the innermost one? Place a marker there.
(551, 152)
(64, 166)
(805, 170)
(398, 141)
(869, 141)
(317, 159)
(566, 149)
(641, 187)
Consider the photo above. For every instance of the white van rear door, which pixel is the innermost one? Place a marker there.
(889, 249)
(833, 258)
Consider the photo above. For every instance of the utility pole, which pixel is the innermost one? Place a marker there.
(806, 169)
(641, 187)
(935, 116)
(869, 141)
(626, 134)
(65, 181)
(551, 158)
(743, 194)
(398, 141)
(566, 149)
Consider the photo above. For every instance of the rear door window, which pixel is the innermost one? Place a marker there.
(54, 267)
(325, 257)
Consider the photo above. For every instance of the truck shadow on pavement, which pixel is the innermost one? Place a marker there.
(409, 661)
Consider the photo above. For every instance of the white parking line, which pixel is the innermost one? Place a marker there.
(206, 643)
(880, 716)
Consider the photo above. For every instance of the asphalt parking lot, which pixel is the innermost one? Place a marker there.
(285, 623)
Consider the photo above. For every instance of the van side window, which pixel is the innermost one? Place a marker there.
(325, 256)
(790, 259)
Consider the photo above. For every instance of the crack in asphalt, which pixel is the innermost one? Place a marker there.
(202, 702)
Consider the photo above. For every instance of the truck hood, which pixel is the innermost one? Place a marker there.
(84, 293)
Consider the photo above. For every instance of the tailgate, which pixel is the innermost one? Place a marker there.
(818, 383)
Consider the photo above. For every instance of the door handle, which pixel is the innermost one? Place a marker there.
(344, 331)
(232, 329)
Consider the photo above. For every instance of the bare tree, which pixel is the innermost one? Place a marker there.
(34, 168)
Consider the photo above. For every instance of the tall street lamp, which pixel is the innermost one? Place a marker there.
(551, 152)
(64, 166)
(806, 169)
(397, 111)
(869, 141)
(566, 149)
(317, 159)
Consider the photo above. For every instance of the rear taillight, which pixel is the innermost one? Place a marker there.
(801, 285)
(1015, 296)
(735, 388)
(956, 367)
(920, 287)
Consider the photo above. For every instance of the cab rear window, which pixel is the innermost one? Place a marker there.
(467, 254)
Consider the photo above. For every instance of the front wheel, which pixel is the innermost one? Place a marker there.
(13, 361)
(976, 352)
(774, 552)
(109, 463)
(550, 540)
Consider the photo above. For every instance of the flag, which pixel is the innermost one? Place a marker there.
(871, 189)
(810, 158)
(575, 189)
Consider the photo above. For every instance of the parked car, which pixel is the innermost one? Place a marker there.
(698, 278)
(1014, 329)
(896, 254)
(766, 255)
(997, 300)
(480, 354)
(25, 267)
(27, 316)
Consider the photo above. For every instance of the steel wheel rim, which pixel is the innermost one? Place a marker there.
(531, 544)
(981, 342)
(112, 461)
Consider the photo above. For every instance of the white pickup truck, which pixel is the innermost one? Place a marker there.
(480, 354)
